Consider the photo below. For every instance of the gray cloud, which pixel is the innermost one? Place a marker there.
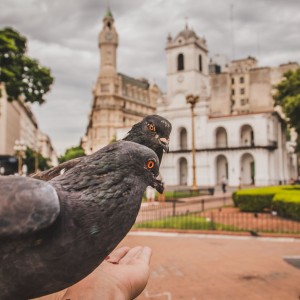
(63, 36)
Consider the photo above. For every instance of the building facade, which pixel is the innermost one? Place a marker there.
(18, 123)
(238, 132)
(119, 101)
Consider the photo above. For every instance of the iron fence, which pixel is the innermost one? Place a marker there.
(212, 214)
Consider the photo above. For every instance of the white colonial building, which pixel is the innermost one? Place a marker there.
(238, 133)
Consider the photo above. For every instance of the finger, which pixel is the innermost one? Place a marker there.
(117, 255)
(145, 255)
(132, 253)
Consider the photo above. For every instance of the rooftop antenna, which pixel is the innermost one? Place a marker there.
(186, 23)
(232, 32)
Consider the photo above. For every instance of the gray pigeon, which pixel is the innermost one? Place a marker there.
(153, 131)
(53, 234)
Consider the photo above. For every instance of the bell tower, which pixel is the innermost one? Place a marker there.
(108, 43)
(187, 67)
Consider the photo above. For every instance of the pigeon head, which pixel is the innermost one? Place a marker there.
(154, 132)
(147, 166)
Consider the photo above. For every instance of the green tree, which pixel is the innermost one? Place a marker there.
(21, 74)
(288, 97)
(71, 153)
(30, 160)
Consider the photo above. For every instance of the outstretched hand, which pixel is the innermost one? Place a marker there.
(123, 275)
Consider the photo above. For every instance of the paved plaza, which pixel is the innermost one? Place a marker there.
(217, 267)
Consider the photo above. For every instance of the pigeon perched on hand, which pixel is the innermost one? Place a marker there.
(55, 233)
(153, 131)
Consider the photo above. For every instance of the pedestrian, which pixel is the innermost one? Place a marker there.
(240, 183)
(224, 184)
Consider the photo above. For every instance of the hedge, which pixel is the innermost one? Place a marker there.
(287, 204)
(256, 199)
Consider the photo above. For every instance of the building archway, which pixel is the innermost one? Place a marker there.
(183, 170)
(182, 138)
(247, 169)
(221, 137)
(221, 167)
(247, 136)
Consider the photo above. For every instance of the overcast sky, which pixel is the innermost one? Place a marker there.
(63, 35)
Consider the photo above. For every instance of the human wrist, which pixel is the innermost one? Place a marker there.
(114, 290)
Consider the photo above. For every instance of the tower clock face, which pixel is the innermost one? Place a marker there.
(108, 36)
(180, 78)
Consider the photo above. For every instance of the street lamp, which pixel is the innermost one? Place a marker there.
(36, 158)
(192, 100)
(20, 149)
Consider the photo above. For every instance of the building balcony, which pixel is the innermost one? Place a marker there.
(270, 145)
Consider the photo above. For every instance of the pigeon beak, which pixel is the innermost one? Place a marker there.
(164, 143)
(158, 185)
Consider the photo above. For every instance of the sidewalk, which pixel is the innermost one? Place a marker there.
(216, 267)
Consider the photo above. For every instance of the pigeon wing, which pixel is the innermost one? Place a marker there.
(58, 170)
(26, 205)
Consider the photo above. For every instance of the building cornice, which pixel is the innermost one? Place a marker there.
(272, 146)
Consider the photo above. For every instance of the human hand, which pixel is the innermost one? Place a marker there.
(123, 275)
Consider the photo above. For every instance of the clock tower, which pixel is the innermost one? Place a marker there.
(119, 101)
(108, 43)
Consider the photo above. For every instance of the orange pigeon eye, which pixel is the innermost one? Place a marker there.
(150, 164)
(151, 127)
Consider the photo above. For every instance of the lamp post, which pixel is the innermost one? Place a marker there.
(20, 149)
(36, 158)
(192, 100)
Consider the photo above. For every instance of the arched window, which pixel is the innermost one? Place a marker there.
(183, 139)
(200, 63)
(180, 62)
(247, 174)
(247, 136)
(221, 137)
(183, 170)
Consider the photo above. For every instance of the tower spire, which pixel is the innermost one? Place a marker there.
(108, 10)
(108, 43)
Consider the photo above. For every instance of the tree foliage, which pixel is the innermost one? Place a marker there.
(30, 159)
(288, 97)
(71, 153)
(21, 74)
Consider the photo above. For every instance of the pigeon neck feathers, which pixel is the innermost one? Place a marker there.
(106, 168)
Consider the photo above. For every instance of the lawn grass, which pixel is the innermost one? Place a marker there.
(186, 222)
